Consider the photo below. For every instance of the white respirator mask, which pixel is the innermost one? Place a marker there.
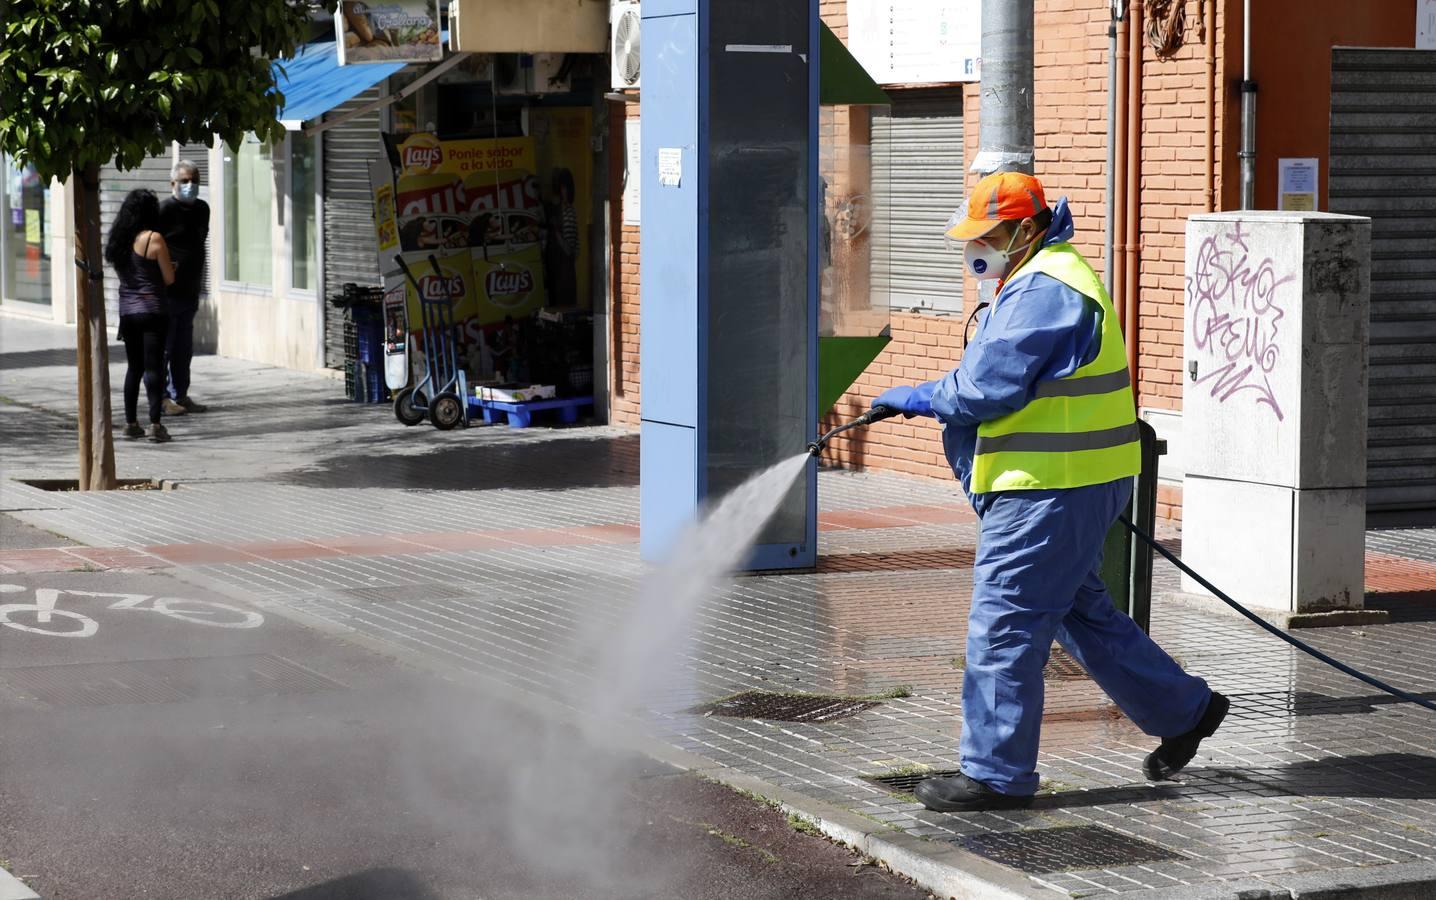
(987, 263)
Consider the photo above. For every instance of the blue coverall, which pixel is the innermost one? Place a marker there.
(1036, 576)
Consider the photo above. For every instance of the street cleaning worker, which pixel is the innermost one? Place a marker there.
(1040, 425)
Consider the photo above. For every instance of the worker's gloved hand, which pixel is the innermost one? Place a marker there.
(908, 399)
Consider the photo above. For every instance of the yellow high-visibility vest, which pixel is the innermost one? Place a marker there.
(1077, 430)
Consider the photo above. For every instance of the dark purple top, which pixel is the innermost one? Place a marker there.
(142, 287)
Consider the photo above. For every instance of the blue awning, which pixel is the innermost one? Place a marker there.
(313, 82)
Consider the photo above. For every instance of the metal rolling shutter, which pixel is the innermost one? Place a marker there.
(918, 179)
(350, 250)
(1383, 165)
(153, 173)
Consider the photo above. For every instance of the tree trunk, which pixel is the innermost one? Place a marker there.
(97, 447)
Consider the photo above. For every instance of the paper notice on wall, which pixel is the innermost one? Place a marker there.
(1426, 24)
(670, 166)
(1297, 184)
(631, 178)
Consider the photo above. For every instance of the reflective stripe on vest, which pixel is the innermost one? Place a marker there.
(1077, 430)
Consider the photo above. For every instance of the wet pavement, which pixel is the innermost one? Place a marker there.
(492, 552)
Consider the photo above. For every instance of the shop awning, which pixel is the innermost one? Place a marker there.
(313, 82)
(844, 81)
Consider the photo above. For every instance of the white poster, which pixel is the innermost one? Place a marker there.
(670, 166)
(917, 41)
(631, 176)
(1426, 24)
(1297, 184)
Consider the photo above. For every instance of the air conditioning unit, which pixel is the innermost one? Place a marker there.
(623, 44)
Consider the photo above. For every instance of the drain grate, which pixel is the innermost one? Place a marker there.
(785, 707)
(1041, 850)
(163, 680)
(1062, 667)
(903, 783)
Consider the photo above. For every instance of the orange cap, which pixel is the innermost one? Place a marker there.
(1000, 197)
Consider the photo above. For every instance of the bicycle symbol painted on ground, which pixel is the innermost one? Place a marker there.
(45, 617)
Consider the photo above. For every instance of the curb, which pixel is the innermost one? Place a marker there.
(12, 888)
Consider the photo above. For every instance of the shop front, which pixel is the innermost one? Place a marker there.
(32, 211)
(489, 163)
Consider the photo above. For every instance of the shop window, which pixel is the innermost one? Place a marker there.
(248, 208)
(303, 236)
(24, 230)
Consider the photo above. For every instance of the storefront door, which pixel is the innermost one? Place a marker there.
(24, 229)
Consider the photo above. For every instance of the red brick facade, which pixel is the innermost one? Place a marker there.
(1071, 123)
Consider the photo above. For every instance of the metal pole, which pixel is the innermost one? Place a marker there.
(1006, 139)
(1249, 88)
(1119, 10)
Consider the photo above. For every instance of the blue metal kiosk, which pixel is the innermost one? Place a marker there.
(730, 231)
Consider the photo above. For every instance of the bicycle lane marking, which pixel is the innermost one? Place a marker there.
(44, 609)
(198, 612)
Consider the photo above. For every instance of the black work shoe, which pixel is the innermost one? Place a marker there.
(191, 406)
(133, 431)
(1175, 752)
(159, 434)
(958, 793)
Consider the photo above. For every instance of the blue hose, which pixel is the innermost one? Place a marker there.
(1300, 645)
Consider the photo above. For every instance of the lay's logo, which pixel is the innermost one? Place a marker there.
(432, 287)
(508, 283)
(421, 156)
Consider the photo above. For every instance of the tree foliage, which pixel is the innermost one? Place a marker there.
(86, 81)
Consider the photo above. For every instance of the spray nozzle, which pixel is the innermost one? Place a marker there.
(876, 414)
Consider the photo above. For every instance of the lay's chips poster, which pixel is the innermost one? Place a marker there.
(475, 205)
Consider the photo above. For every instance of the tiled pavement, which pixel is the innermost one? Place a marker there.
(509, 575)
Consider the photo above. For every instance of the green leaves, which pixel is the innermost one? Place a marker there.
(84, 82)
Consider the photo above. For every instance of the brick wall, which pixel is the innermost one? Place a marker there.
(623, 358)
(1071, 111)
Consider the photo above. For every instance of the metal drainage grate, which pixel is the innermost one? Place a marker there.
(904, 783)
(1062, 667)
(785, 707)
(1077, 847)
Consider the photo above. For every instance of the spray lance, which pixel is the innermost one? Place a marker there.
(878, 413)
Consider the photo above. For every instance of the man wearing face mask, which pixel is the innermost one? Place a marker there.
(1039, 424)
(184, 222)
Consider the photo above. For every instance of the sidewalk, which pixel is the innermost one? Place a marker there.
(483, 550)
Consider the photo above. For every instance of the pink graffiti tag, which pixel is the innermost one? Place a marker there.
(1235, 318)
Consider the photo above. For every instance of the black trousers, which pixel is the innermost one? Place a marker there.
(144, 336)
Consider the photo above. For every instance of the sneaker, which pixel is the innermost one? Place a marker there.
(1175, 752)
(133, 431)
(191, 406)
(172, 408)
(959, 793)
(158, 434)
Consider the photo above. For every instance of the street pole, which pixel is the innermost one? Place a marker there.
(1005, 141)
(1119, 12)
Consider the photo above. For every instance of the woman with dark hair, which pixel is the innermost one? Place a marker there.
(141, 260)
